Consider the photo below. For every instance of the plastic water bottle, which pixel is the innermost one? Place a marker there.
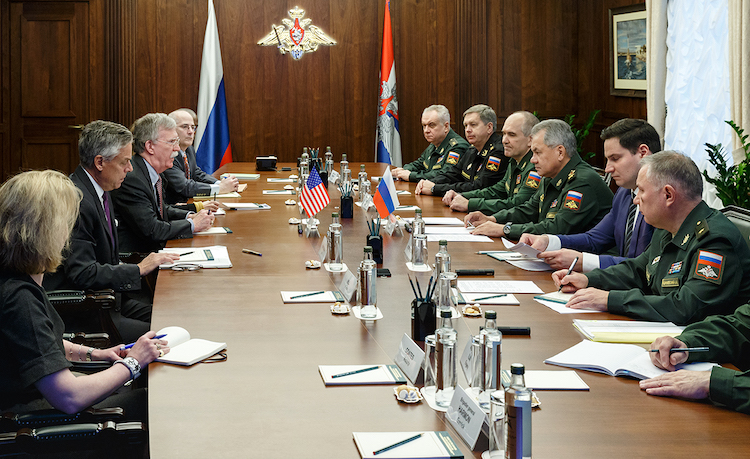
(368, 275)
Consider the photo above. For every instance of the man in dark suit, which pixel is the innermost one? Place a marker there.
(185, 178)
(92, 261)
(146, 221)
(626, 142)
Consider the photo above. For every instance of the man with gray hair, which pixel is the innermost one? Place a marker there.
(186, 179)
(696, 265)
(480, 166)
(571, 197)
(92, 260)
(445, 144)
(516, 187)
(146, 222)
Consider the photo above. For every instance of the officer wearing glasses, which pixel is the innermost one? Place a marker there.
(186, 179)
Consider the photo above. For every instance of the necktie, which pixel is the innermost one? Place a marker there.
(111, 230)
(159, 197)
(187, 166)
(632, 211)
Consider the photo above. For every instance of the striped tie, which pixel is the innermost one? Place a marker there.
(159, 197)
(632, 211)
(187, 166)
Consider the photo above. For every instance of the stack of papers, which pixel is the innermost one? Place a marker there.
(215, 256)
(453, 234)
(466, 286)
(625, 331)
(311, 296)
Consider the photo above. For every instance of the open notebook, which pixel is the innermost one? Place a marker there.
(186, 351)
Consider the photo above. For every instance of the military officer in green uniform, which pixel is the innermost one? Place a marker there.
(482, 165)
(728, 340)
(444, 143)
(570, 195)
(515, 188)
(697, 263)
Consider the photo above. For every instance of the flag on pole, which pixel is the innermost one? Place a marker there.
(387, 138)
(385, 198)
(314, 196)
(213, 148)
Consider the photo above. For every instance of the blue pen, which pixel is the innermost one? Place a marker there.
(131, 344)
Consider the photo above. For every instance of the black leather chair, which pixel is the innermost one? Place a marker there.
(89, 310)
(93, 433)
(741, 219)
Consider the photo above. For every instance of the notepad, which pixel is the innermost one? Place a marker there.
(549, 380)
(625, 331)
(247, 206)
(306, 297)
(482, 298)
(352, 375)
(555, 297)
(231, 194)
(615, 360)
(498, 286)
(434, 445)
(184, 350)
(246, 176)
(214, 230)
(215, 256)
(278, 192)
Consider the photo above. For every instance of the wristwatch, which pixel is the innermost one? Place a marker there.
(506, 228)
(432, 190)
(133, 366)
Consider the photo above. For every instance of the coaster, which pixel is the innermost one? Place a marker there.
(355, 311)
(343, 269)
(421, 269)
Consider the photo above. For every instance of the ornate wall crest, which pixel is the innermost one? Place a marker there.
(293, 38)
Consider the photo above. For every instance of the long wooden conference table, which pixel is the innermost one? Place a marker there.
(268, 400)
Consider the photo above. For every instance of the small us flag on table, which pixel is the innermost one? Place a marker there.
(314, 196)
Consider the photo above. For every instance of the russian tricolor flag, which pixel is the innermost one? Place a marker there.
(385, 198)
(213, 148)
(387, 138)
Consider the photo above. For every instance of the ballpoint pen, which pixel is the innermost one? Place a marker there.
(306, 294)
(128, 346)
(252, 252)
(354, 372)
(570, 270)
(396, 445)
(684, 349)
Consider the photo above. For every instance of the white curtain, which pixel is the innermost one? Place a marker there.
(697, 82)
(656, 62)
(739, 68)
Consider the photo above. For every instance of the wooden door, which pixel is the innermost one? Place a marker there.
(49, 82)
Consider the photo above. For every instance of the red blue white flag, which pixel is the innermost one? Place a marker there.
(213, 148)
(385, 198)
(314, 196)
(387, 138)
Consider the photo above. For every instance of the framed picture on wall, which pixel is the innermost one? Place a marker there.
(627, 38)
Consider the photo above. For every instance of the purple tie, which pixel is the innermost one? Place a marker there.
(111, 230)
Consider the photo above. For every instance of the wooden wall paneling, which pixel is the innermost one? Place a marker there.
(472, 46)
(146, 56)
(50, 63)
(5, 166)
(119, 43)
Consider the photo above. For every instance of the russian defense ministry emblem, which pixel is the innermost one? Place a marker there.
(293, 38)
(709, 266)
(533, 180)
(493, 163)
(573, 200)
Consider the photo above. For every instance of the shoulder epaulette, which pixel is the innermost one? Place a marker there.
(701, 229)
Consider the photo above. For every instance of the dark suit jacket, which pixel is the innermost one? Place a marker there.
(610, 232)
(140, 227)
(180, 188)
(92, 261)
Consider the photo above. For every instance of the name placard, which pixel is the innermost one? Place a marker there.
(465, 415)
(467, 361)
(348, 286)
(409, 357)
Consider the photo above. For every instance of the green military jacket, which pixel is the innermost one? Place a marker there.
(475, 169)
(572, 202)
(728, 340)
(514, 189)
(433, 158)
(702, 270)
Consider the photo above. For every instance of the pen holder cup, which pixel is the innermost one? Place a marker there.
(324, 178)
(347, 207)
(376, 242)
(422, 319)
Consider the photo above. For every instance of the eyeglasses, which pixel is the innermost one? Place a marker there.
(186, 267)
(194, 127)
(174, 142)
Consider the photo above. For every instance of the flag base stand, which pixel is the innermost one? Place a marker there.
(311, 227)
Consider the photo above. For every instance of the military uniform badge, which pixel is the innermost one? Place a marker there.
(453, 142)
(452, 157)
(709, 266)
(533, 180)
(571, 175)
(518, 179)
(573, 200)
(493, 163)
(675, 268)
(554, 204)
(294, 38)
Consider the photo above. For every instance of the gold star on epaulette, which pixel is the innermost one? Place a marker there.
(571, 175)
(684, 240)
(453, 142)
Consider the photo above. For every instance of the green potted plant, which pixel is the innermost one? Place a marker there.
(732, 182)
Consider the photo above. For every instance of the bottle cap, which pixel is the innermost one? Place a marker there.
(446, 313)
(418, 211)
(362, 167)
(517, 369)
(443, 242)
(335, 215)
(490, 315)
(343, 156)
(368, 249)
